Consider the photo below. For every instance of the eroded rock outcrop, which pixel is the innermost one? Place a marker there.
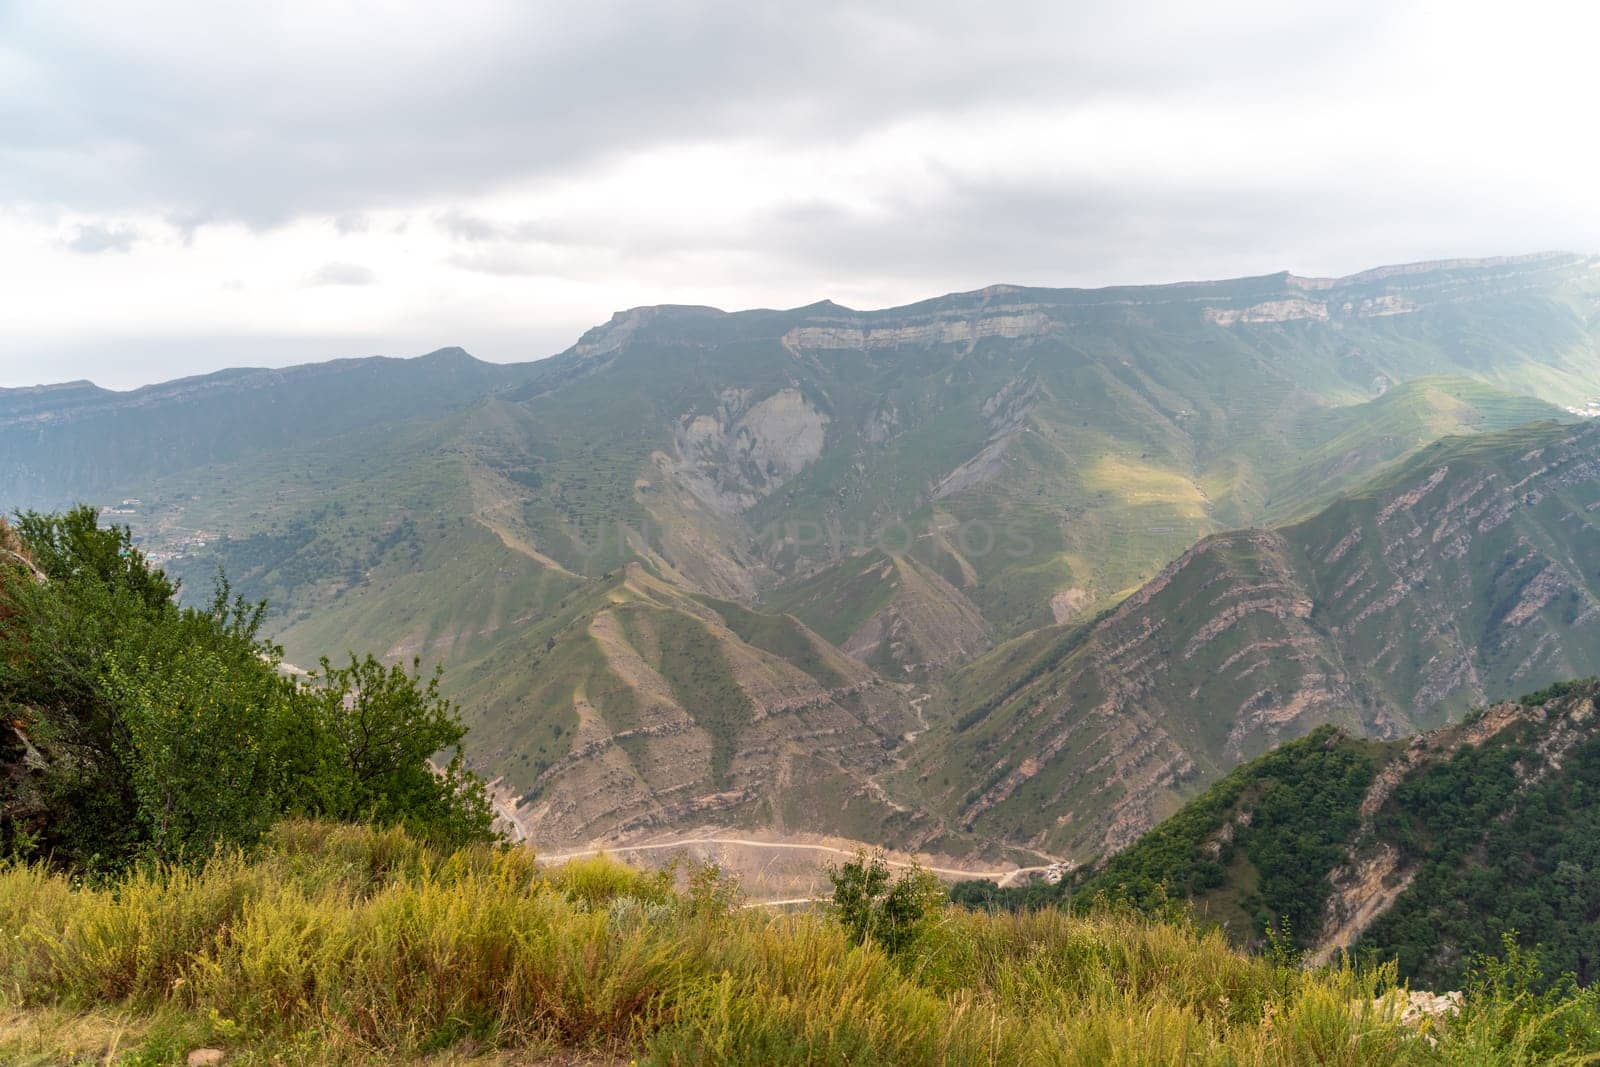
(1375, 872)
(687, 721)
(1387, 613)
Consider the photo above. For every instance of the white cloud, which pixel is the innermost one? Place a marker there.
(341, 274)
(515, 172)
(94, 238)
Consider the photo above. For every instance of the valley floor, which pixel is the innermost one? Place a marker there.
(778, 870)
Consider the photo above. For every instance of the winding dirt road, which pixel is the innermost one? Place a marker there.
(1003, 878)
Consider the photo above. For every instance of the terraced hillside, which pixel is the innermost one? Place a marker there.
(653, 709)
(1464, 576)
(914, 485)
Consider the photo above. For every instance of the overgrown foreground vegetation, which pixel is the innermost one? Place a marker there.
(205, 852)
(135, 728)
(331, 944)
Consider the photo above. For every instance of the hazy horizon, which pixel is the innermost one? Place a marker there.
(271, 352)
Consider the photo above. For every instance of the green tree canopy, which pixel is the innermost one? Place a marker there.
(138, 726)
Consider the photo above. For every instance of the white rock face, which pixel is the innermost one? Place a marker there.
(1270, 311)
(951, 330)
(1413, 1006)
(782, 434)
(731, 458)
(1295, 309)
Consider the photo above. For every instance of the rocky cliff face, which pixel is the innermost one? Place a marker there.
(1463, 578)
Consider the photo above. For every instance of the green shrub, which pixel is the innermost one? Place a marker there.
(893, 914)
(149, 730)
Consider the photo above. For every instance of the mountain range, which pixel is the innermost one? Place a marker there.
(1017, 570)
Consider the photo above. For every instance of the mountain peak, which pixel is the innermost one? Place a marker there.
(826, 306)
(613, 334)
(449, 354)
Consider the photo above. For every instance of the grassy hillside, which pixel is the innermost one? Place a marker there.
(1340, 447)
(1429, 850)
(338, 945)
(1462, 577)
(68, 444)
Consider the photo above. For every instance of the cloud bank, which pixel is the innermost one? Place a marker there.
(519, 170)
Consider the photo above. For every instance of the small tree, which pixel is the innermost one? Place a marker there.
(73, 545)
(380, 728)
(892, 914)
(203, 747)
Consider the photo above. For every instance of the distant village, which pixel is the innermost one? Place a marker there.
(170, 549)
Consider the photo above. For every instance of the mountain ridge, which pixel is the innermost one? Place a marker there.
(982, 296)
(222, 378)
(979, 297)
(915, 486)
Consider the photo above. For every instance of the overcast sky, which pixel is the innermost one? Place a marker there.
(192, 184)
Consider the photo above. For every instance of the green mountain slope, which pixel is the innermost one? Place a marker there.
(1426, 850)
(1463, 576)
(1043, 450)
(60, 444)
(651, 710)
(915, 485)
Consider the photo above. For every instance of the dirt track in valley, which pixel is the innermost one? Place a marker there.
(1002, 877)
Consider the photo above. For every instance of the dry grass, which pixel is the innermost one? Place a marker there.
(347, 945)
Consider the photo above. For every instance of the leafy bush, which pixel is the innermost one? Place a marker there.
(145, 728)
(892, 914)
